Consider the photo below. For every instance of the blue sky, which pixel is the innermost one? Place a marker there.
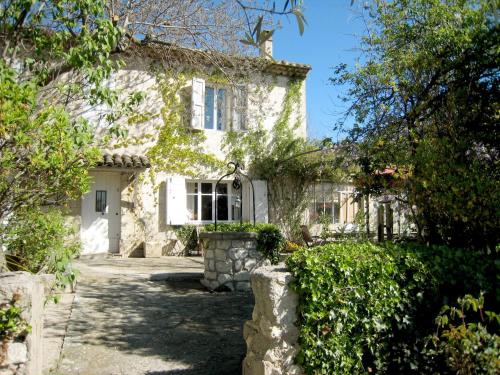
(330, 38)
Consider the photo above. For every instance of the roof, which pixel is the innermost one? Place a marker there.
(123, 161)
(173, 53)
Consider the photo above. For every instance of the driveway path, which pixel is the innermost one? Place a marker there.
(122, 322)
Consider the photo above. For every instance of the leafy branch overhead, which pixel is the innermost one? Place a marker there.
(257, 36)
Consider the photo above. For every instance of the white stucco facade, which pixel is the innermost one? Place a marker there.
(151, 206)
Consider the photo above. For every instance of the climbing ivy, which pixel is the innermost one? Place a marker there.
(271, 156)
(178, 149)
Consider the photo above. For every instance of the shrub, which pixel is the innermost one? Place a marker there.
(270, 240)
(291, 247)
(370, 308)
(39, 242)
(12, 325)
(186, 234)
(467, 343)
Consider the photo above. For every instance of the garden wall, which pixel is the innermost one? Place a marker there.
(271, 335)
(23, 357)
(230, 257)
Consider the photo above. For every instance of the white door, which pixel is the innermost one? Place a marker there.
(100, 231)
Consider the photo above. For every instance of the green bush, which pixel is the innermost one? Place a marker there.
(270, 240)
(465, 340)
(39, 241)
(12, 325)
(186, 234)
(370, 308)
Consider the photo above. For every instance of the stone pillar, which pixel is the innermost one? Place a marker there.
(230, 257)
(272, 335)
(23, 358)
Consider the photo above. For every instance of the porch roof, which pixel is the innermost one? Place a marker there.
(123, 161)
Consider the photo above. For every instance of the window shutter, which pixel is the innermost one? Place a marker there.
(261, 209)
(176, 201)
(239, 104)
(197, 102)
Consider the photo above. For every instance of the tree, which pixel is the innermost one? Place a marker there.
(426, 100)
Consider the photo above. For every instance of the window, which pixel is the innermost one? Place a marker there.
(215, 108)
(100, 201)
(327, 200)
(201, 202)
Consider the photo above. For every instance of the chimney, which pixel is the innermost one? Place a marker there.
(266, 48)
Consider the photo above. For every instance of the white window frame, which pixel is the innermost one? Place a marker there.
(230, 194)
(343, 200)
(227, 108)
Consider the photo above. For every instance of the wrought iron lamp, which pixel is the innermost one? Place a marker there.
(237, 185)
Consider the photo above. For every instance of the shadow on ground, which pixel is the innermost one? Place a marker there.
(134, 326)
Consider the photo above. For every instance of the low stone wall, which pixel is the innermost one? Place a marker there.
(23, 358)
(230, 257)
(271, 335)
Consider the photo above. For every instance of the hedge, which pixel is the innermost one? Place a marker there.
(270, 240)
(366, 308)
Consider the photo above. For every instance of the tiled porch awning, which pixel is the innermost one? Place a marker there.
(123, 161)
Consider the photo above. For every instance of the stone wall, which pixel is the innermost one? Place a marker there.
(23, 358)
(271, 335)
(230, 257)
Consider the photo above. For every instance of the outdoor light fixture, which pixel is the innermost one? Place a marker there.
(237, 202)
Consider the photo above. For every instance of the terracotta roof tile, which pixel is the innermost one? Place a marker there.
(123, 161)
(159, 50)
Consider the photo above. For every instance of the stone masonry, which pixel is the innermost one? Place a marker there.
(230, 258)
(271, 335)
(23, 358)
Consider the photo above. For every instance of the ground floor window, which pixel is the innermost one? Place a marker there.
(201, 202)
(331, 203)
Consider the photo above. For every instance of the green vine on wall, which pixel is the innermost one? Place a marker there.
(12, 325)
(270, 156)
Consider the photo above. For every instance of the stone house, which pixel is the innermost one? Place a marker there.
(133, 208)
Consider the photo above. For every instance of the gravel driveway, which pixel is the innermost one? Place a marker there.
(124, 323)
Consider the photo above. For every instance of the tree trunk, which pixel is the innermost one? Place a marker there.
(380, 223)
(3, 261)
(367, 215)
(389, 222)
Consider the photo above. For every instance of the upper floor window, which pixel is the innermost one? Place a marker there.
(217, 107)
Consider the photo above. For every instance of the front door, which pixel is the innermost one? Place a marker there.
(100, 231)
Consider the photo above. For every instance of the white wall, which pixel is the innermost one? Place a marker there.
(265, 98)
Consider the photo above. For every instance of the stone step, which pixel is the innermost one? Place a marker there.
(176, 276)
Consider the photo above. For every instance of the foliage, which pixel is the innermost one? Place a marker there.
(53, 38)
(425, 100)
(39, 241)
(291, 247)
(178, 149)
(468, 342)
(186, 234)
(287, 161)
(44, 154)
(369, 308)
(12, 325)
(270, 241)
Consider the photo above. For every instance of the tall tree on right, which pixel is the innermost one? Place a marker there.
(426, 99)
